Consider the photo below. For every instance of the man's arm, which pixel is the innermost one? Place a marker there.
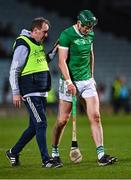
(63, 54)
(19, 59)
(51, 54)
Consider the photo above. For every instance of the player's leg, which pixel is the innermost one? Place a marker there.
(62, 119)
(92, 110)
(87, 91)
(64, 111)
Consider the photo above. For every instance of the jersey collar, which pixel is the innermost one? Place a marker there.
(77, 31)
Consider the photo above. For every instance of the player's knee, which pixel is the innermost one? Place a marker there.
(95, 117)
(62, 120)
(61, 124)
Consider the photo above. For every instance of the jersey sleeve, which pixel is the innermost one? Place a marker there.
(64, 40)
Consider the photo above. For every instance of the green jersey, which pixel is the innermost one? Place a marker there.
(79, 46)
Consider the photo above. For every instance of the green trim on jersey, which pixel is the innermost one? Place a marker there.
(79, 46)
(36, 60)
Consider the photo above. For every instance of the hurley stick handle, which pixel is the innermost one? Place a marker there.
(74, 118)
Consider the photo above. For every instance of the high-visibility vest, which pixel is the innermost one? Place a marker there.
(36, 60)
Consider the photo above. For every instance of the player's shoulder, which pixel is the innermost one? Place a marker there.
(67, 31)
(91, 33)
(91, 36)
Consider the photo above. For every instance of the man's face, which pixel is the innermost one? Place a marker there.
(40, 34)
(84, 30)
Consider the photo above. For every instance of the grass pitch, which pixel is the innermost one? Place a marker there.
(117, 140)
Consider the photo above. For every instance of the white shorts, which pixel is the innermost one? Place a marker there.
(85, 89)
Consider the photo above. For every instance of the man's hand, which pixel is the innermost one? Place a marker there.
(71, 87)
(17, 100)
(51, 54)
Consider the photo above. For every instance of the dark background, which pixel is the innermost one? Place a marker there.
(114, 15)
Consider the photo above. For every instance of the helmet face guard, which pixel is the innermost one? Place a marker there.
(87, 18)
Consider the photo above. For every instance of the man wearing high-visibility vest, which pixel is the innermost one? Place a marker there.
(30, 81)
